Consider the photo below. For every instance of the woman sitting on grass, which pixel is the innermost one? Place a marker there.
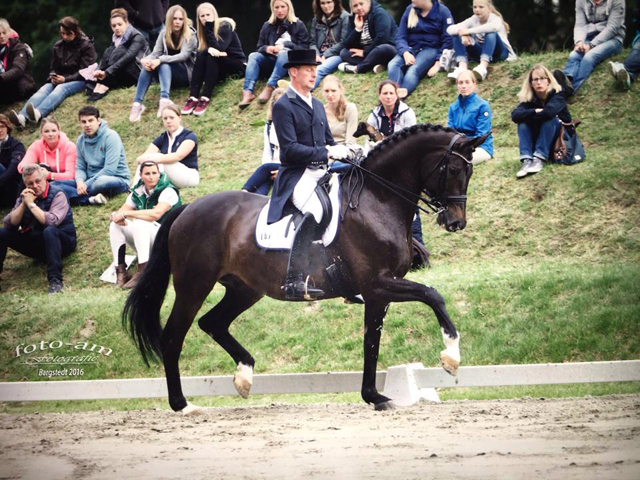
(342, 116)
(171, 61)
(219, 55)
(16, 81)
(119, 66)
(262, 179)
(11, 152)
(57, 154)
(328, 31)
(471, 115)
(175, 151)
(538, 116)
(137, 221)
(483, 37)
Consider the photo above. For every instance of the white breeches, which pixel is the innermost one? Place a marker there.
(479, 155)
(179, 175)
(304, 196)
(138, 234)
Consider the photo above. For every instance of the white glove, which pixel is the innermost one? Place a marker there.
(338, 152)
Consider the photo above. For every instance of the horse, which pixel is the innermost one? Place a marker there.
(212, 240)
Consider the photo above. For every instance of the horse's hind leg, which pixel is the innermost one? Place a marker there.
(215, 323)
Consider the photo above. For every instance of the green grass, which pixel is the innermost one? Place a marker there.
(547, 269)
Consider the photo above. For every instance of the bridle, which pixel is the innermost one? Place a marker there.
(436, 203)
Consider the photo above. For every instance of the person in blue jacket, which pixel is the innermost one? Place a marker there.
(422, 36)
(370, 40)
(471, 115)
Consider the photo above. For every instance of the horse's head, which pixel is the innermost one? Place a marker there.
(450, 180)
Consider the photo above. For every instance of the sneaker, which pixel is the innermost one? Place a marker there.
(55, 286)
(163, 103)
(446, 59)
(345, 67)
(480, 72)
(564, 81)
(202, 106)
(621, 75)
(535, 166)
(189, 106)
(33, 114)
(453, 76)
(402, 93)
(379, 69)
(524, 170)
(98, 199)
(136, 112)
(17, 119)
(282, 83)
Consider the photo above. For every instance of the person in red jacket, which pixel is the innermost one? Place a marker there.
(56, 154)
(16, 82)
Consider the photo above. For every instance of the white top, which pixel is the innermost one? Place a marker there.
(308, 100)
(493, 24)
(172, 138)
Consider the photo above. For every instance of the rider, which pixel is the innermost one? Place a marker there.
(306, 146)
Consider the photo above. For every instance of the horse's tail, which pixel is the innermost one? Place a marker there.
(141, 314)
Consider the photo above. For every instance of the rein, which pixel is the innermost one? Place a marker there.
(436, 203)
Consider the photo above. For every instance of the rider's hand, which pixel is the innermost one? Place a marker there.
(338, 152)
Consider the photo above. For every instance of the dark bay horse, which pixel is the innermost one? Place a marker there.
(212, 240)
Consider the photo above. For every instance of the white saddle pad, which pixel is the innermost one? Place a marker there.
(278, 237)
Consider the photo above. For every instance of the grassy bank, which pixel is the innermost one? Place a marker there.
(547, 269)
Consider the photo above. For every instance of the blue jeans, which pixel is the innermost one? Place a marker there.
(105, 184)
(491, 50)
(536, 139)
(260, 181)
(168, 74)
(69, 188)
(50, 96)
(327, 67)
(260, 66)
(48, 245)
(380, 55)
(150, 35)
(632, 62)
(409, 76)
(580, 65)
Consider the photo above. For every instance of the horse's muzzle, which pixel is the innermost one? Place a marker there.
(450, 223)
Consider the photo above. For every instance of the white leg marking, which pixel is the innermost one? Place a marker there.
(191, 410)
(450, 356)
(243, 379)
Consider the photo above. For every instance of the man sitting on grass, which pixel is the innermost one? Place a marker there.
(101, 166)
(40, 225)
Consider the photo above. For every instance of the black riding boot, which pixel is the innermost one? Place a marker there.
(295, 287)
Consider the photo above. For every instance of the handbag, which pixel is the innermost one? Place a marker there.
(568, 148)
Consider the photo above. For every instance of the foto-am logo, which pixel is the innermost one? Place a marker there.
(48, 353)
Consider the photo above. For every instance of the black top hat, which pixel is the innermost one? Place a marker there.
(296, 58)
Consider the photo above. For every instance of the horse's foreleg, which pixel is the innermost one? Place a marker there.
(215, 323)
(374, 313)
(401, 290)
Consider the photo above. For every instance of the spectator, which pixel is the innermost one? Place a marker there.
(175, 151)
(146, 15)
(16, 82)
(538, 116)
(281, 33)
(262, 179)
(119, 66)
(370, 38)
(101, 166)
(220, 55)
(56, 154)
(483, 37)
(626, 73)
(421, 38)
(471, 115)
(342, 116)
(597, 35)
(328, 31)
(40, 225)
(70, 55)
(390, 116)
(137, 221)
(171, 61)
(11, 152)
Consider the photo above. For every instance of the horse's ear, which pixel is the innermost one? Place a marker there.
(476, 141)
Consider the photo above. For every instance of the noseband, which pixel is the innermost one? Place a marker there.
(436, 203)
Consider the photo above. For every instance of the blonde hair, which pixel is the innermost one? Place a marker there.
(467, 73)
(342, 102)
(49, 119)
(494, 10)
(526, 93)
(275, 96)
(217, 21)
(173, 108)
(412, 20)
(185, 33)
(291, 16)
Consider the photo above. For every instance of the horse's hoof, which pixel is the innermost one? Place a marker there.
(449, 364)
(243, 379)
(191, 410)
(389, 405)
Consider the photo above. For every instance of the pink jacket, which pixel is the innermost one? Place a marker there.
(62, 159)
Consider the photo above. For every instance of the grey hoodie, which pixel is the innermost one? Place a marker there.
(606, 20)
